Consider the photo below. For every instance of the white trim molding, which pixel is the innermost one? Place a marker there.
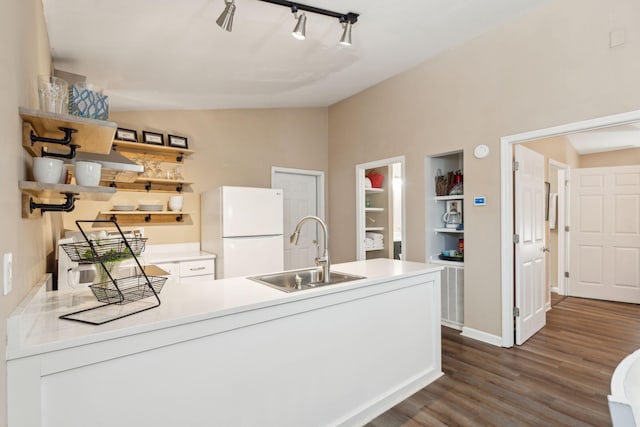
(481, 336)
(506, 198)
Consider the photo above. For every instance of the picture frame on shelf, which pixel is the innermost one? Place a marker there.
(177, 141)
(128, 135)
(152, 138)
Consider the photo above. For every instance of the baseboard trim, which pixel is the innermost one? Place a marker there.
(481, 336)
(452, 325)
(555, 290)
(390, 399)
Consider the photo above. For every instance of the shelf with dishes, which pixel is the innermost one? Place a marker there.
(51, 137)
(151, 152)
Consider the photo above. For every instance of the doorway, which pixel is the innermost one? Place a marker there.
(303, 195)
(507, 212)
(380, 209)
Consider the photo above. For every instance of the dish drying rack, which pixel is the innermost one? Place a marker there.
(114, 291)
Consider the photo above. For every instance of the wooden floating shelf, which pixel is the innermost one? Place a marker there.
(142, 217)
(150, 184)
(152, 152)
(56, 191)
(92, 136)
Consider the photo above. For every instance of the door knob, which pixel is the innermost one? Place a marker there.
(546, 250)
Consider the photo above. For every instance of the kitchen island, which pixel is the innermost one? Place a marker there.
(230, 352)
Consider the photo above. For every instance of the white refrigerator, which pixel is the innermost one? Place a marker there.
(244, 227)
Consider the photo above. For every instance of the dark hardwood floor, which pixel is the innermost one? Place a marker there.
(559, 377)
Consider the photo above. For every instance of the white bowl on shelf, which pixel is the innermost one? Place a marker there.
(87, 173)
(47, 170)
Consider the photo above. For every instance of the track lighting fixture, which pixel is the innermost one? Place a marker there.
(225, 21)
(300, 30)
(345, 40)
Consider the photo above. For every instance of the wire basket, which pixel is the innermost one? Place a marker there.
(103, 250)
(128, 289)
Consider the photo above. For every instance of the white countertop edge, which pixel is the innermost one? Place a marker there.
(20, 321)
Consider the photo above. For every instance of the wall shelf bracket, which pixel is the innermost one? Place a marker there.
(147, 186)
(179, 218)
(180, 157)
(66, 140)
(70, 155)
(67, 206)
(179, 188)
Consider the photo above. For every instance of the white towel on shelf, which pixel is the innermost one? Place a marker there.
(553, 202)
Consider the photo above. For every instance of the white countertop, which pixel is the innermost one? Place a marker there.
(35, 328)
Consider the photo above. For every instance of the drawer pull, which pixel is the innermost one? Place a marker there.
(197, 268)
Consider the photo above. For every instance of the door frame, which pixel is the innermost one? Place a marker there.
(506, 197)
(319, 184)
(562, 221)
(360, 203)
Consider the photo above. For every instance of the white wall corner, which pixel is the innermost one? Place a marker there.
(482, 336)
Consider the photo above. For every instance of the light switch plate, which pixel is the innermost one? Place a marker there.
(7, 272)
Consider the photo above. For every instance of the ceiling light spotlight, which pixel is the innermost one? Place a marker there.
(345, 40)
(225, 21)
(299, 32)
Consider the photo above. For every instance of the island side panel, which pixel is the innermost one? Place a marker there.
(341, 363)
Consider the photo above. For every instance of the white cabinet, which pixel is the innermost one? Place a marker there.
(452, 293)
(189, 271)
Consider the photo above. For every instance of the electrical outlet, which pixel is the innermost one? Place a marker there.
(7, 272)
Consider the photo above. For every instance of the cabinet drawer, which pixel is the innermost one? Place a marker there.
(197, 268)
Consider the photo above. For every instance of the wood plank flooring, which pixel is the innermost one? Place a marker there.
(560, 377)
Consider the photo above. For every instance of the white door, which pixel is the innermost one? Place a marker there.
(529, 201)
(300, 199)
(605, 234)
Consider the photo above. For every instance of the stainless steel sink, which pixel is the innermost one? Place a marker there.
(298, 280)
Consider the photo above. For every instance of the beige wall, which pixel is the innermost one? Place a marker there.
(550, 67)
(24, 55)
(232, 147)
(611, 158)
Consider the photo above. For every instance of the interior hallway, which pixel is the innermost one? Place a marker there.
(560, 377)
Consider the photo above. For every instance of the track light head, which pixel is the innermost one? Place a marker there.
(300, 30)
(225, 21)
(345, 40)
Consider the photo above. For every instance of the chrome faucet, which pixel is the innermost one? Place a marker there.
(322, 261)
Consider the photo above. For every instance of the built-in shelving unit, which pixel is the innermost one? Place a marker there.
(443, 239)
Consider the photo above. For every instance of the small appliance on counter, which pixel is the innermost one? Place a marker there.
(452, 217)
